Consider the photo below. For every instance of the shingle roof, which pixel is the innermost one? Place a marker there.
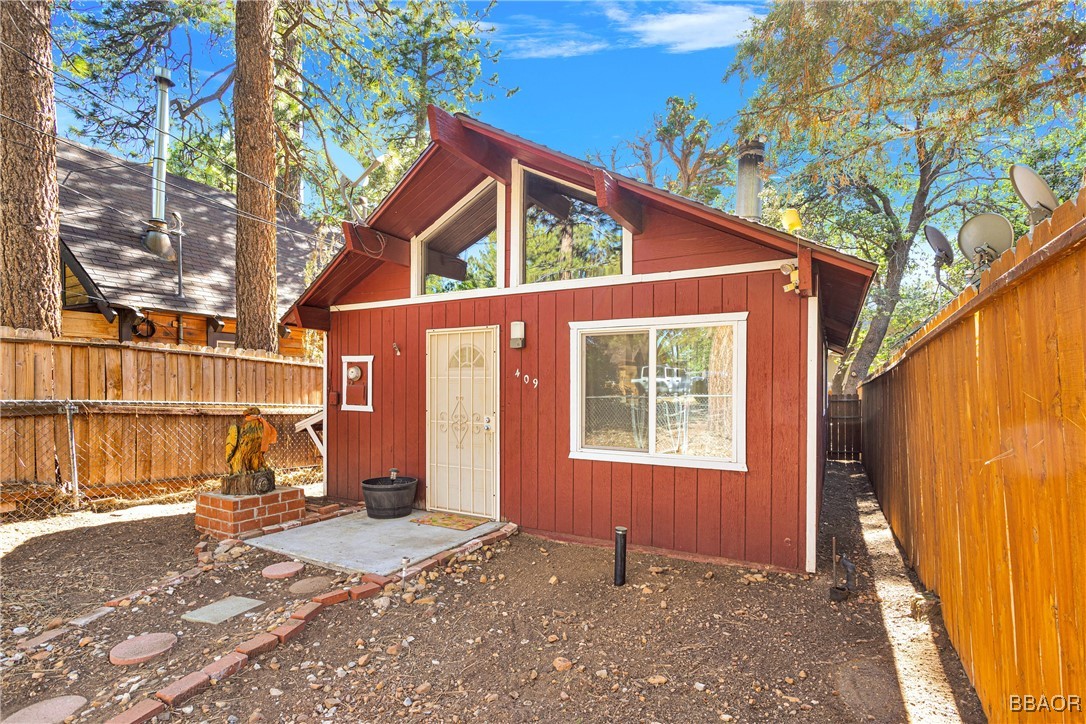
(107, 242)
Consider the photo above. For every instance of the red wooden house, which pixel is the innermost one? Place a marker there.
(542, 341)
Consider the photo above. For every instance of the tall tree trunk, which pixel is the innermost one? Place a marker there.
(254, 129)
(289, 116)
(886, 298)
(29, 195)
(565, 250)
(419, 129)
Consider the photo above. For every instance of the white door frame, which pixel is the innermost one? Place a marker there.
(496, 328)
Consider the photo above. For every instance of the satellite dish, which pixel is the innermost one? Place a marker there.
(984, 237)
(944, 256)
(1034, 192)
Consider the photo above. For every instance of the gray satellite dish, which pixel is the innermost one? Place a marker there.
(944, 256)
(984, 237)
(1034, 192)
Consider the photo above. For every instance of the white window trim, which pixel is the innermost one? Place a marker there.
(613, 280)
(367, 360)
(516, 227)
(419, 241)
(577, 333)
(517, 237)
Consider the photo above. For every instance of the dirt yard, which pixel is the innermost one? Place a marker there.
(681, 641)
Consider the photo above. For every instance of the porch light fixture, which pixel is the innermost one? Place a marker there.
(516, 335)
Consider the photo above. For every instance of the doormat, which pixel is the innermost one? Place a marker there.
(451, 520)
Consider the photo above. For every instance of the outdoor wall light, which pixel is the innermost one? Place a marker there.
(396, 349)
(516, 335)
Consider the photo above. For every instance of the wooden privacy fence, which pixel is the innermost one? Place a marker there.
(83, 420)
(844, 428)
(975, 440)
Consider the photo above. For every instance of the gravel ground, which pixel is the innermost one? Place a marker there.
(484, 640)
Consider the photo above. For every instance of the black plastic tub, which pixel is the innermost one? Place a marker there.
(388, 498)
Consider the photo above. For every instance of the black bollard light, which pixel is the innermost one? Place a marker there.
(620, 556)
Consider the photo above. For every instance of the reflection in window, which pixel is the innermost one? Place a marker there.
(615, 397)
(566, 236)
(693, 381)
(463, 253)
(694, 391)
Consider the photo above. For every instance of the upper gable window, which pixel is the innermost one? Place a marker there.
(566, 236)
(461, 250)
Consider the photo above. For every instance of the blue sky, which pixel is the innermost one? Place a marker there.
(593, 73)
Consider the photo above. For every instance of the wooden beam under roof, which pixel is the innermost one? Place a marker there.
(312, 318)
(363, 239)
(447, 131)
(616, 202)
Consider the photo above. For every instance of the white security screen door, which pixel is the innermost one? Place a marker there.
(462, 420)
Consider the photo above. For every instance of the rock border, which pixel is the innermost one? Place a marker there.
(192, 684)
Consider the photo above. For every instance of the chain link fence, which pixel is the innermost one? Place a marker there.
(57, 456)
(691, 424)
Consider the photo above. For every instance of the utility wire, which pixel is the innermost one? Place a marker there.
(134, 167)
(109, 103)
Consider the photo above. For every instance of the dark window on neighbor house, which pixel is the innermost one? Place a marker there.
(566, 236)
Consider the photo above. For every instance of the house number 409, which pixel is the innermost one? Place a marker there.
(528, 380)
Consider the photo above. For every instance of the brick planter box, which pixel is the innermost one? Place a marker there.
(231, 516)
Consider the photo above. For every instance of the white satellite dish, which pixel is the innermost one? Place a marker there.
(1034, 192)
(944, 255)
(984, 237)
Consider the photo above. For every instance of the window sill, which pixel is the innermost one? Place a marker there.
(674, 461)
(356, 408)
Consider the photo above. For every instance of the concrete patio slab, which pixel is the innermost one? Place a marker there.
(227, 608)
(357, 543)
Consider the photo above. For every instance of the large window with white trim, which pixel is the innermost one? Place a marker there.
(461, 250)
(565, 235)
(666, 391)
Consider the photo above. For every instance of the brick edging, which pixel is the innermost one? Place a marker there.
(192, 684)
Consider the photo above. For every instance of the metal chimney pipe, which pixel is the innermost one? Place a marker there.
(748, 186)
(162, 145)
(157, 237)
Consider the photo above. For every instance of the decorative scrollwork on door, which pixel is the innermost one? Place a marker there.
(459, 423)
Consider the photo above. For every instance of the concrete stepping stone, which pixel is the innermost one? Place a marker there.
(42, 638)
(311, 586)
(50, 711)
(227, 608)
(82, 621)
(286, 569)
(141, 648)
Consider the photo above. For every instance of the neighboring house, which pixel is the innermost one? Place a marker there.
(543, 341)
(114, 288)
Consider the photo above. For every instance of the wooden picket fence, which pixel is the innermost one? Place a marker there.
(975, 441)
(845, 431)
(88, 419)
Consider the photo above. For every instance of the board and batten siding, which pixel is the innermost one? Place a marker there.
(756, 516)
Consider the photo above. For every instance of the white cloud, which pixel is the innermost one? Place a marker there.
(686, 28)
(528, 36)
